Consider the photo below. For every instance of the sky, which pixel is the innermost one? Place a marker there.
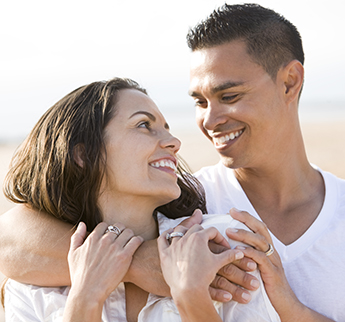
(49, 48)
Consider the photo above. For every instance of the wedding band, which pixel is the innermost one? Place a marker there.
(174, 234)
(270, 250)
(113, 229)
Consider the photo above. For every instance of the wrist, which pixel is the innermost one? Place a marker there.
(195, 306)
(80, 307)
(90, 298)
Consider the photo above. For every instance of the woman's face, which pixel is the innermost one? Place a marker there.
(141, 153)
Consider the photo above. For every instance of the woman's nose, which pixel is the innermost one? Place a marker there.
(171, 142)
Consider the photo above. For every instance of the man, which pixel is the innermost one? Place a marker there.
(246, 79)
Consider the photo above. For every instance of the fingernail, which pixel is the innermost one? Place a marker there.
(241, 247)
(232, 230)
(239, 255)
(251, 266)
(255, 283)
(246, 297)
(235, 209)
(227, 296)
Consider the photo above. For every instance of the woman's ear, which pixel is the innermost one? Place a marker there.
(293, 74)
(79, 154)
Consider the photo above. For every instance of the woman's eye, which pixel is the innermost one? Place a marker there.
(145, 124)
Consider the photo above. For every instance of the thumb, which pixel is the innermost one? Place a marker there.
(78, 237)
(229, 256)
(195, 219)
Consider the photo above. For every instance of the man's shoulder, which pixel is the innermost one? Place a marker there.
(213, 172)
(333, 182)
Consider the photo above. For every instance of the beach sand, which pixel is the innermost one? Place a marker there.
(325, 145)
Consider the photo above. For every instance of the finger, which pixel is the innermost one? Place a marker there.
(133, 244)
(219, 295)
(78, 237)
(220, 285)
(251, 222)
(196, 218)
(178, 229)
(229, 256)
(99, 230)
(239, 277)
(264, 262)
(215, 236)
(114, 235)
(162, 241)
(124, 238)
(257, 241)
(246, 264)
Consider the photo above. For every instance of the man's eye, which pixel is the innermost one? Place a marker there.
(229, 98)
(200, 103)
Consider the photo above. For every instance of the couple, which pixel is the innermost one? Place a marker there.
(246, 80)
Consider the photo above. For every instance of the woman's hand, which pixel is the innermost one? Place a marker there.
(189, 268)
(97, 265)
(233, 280)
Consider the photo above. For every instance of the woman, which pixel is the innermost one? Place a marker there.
(104, 155)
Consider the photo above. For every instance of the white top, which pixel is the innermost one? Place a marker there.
(314, 264)
(32, 303)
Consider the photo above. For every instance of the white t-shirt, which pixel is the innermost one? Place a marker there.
(32, 303)
(315, 263)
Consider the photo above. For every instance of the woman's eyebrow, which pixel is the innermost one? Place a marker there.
(148, 114)
(151, 117)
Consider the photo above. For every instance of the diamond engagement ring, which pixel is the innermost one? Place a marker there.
(113, 229)
(270, 250)
(174, 234)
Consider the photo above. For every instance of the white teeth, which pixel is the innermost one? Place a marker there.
(164, 163)
(227, 137)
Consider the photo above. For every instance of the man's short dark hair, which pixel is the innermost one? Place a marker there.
(271, 40)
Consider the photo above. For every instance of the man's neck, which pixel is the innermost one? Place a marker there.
(288, 199)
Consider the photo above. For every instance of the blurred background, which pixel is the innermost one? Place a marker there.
(49, 48)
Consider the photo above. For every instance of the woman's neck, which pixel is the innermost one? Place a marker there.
(135, 213)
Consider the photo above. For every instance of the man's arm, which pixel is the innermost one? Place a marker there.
(34, 247)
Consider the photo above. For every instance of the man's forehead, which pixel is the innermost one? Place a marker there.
(197, 58)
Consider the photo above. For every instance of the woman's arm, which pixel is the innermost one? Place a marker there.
(189, 267)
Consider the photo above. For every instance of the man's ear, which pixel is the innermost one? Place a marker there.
(293, 75)
(79, 154)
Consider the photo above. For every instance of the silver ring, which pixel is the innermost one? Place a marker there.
(174, 234)
(113, 229)
(270, 250)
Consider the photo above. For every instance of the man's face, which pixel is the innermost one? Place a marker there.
(238, 105)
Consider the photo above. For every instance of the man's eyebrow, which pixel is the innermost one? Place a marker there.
(219, 88)
(150, 116)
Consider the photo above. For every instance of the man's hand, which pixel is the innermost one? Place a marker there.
(277, 287)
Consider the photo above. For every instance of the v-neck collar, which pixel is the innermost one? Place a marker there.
(295, 249)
